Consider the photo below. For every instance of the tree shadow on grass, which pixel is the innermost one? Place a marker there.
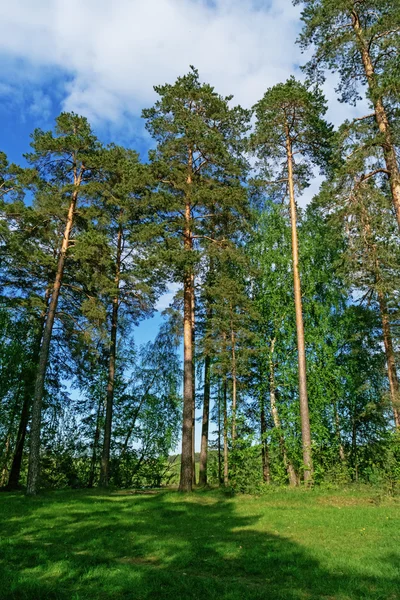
(96, 546)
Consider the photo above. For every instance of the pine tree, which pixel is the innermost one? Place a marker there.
(63, 162)
(360, 41)
(290, 122)
(115, 257)
(200, 172)
(363, 212)
(26, 257)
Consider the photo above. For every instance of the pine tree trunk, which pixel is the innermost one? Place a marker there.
(388, 147)
(390, 360)
(264, 443)
(96, 439)
(15, 471)
(304, 412)
(354, 452)
(186, 478)
(193, 385)
(34, 454)
(7, 451)
(205, 423)
(234, 387)
(105, 457)
(277, 422)
(219, 438)
(225, 410)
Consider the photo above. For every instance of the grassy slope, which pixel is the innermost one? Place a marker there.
(287, 545)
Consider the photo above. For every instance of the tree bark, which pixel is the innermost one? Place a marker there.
(354, 453)
(105, 457)
(186, 477)
(7, 452)
(234, 387)
(15, 471)
(304, 412)
(390, 360)
(264, 443)
(381, 118)
(34, 454)
(219, 438)
(193, 384)
(95, 446)
(225, 416)
(277, 422)
(205, 423)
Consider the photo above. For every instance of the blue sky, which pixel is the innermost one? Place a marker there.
(102, 59)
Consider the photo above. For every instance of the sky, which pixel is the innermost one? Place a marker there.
(101, 59)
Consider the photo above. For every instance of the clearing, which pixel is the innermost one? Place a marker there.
(287, 545)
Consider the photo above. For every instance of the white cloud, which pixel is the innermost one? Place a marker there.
(114, 52)
(40, 106)
(167, 298)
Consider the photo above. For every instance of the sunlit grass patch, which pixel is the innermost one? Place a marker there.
(287, 545)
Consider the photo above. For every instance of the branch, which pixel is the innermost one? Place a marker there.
(365, 117)
(205, 237)
(372, 174)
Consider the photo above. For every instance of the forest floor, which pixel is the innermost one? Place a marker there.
(286, 545)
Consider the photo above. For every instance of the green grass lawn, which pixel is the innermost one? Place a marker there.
(288, 545)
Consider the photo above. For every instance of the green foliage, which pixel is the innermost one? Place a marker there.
(133, 226)
(198, 160)
(329, 28)
(290, 109)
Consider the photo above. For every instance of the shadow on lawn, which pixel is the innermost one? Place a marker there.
(96, 546)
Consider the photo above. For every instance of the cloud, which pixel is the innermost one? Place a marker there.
(167, 298)
(114, 52)
(102, 59)
(40, 105)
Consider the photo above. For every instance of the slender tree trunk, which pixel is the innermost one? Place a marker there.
(225, 409)
(34, 454)
(293, 481)
(381, 118)
(96, 440)
(105, 457)
(136, 414)
(13, 480)
(354, 446)
(234, 384)
(391, 364)
(219, 438)
(386, 329)
(15, 470)
(7, 452)
(205, 423)
(264, 443)
(304, 413)
(193, 384)
(186, 478)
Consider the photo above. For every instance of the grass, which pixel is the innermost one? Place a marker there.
(286, 545)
